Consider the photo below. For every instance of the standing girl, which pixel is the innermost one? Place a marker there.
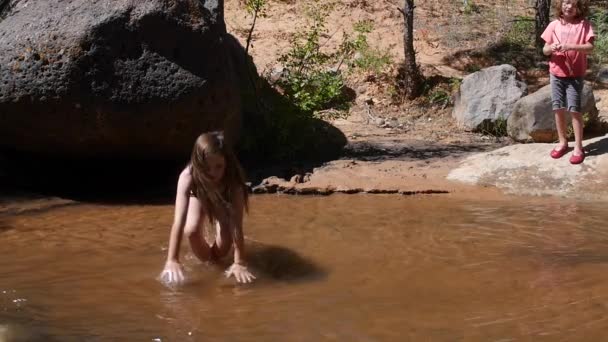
(211, 188)
(568, 40)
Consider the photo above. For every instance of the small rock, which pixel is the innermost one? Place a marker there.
(379, 121)
(313, 191)
(296, 179)
(260, 189)
(277, 73)
(306, 177)
(289, 190)
(362, 89)
(358, 56)
(350, 190)
(602, 76)
(272, 180)
(382, 191)
(393, 122)
(265, 189)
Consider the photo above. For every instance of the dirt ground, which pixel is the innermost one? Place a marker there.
(396, 146)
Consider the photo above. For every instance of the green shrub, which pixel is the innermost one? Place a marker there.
(314, 81)
(359, 53)
(437, 91)
(599, 21)
(439, 97)
(470, 7)
(496, 128)
(521, 34)
(310, 83)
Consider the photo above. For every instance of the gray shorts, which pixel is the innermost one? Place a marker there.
(566, 93)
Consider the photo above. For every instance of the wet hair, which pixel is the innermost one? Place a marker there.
(582, 8)
(216, 200)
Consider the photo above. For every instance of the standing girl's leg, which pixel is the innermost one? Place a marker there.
(558, 103)
(577, 125)
(573, 93)
(193, 230)
(560, 125)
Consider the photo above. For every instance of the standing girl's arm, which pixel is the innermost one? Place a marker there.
(585, 48)
(173, 271)
(239, 267)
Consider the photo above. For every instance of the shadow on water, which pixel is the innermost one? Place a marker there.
(22, 332)
(105, 181)
(280, 263)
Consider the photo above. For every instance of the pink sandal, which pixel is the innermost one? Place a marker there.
(577, 158)
(556, 154)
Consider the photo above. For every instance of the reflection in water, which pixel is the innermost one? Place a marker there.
(381, 268)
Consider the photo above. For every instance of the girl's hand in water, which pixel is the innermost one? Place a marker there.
(240, 272)
(173, 273)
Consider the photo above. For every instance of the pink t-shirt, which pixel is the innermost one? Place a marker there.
(570, 63)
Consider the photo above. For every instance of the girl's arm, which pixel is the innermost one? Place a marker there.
(237, 234)
(182, 198)
(547, 49)
(239, 268)
(172, 273)
(585, 48)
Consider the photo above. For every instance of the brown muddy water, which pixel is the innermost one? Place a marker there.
(338, 268)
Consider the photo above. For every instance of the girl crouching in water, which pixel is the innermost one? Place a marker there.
(211, 187)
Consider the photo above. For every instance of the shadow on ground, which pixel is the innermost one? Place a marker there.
(366, 151)
(597, 148)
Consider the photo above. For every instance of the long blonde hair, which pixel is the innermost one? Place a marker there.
(216, 200)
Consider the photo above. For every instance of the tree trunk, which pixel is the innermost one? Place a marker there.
(4, 6)
(411, 78)
(541, 21)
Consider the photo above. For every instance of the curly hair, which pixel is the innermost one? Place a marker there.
(582, 8)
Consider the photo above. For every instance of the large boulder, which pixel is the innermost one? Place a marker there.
(533, 120)
(602, 75)
(486, 96)
(527, 169)
(114, 78)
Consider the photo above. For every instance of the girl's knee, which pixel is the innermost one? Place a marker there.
(576, 116)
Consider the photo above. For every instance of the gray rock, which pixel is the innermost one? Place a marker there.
(137, 79)
(393, 122)
(487, 95)
(277, 73)
(533, 119)
(602, 75)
